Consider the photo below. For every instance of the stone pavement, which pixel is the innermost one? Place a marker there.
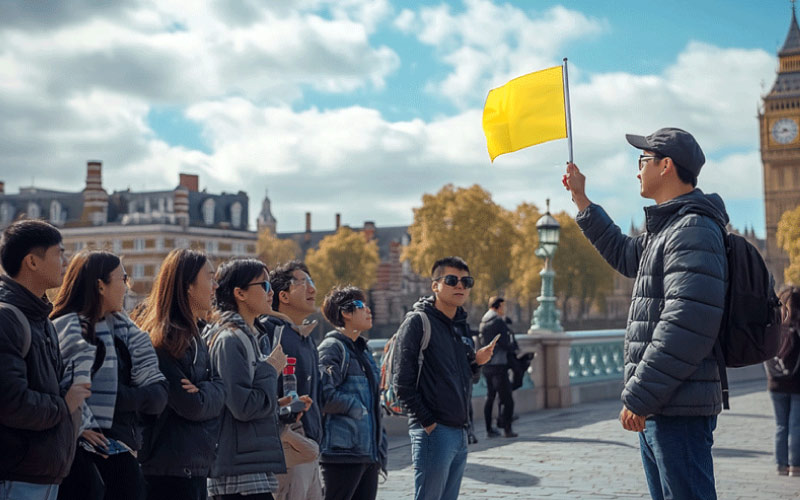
(583, 452)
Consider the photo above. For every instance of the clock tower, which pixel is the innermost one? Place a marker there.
(779, 121)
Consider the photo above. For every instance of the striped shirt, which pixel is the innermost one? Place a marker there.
(243, 484)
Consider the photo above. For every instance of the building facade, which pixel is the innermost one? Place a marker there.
(779, 122)
(141, 227)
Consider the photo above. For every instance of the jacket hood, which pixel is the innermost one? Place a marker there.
(710, 205)
(427, 304)
(15, 294)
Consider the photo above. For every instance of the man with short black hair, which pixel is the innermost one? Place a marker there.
(438, 395)
(293, 300)
(493, 324)
(672, 392)
(37, 437)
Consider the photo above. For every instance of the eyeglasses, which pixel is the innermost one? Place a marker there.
(643, 159)
(125, 278)
(356, 304)
(452, 280)
(264, 284)
(307, 281)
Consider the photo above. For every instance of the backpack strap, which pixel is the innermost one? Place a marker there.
(248, 347)
(426, 339)
(24, 323)
(344, 364)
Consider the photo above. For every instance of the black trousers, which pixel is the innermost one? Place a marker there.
(176, 488)
(350, 481)
(497, 383)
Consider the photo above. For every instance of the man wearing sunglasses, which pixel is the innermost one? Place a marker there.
(437, 395)
(672, 392)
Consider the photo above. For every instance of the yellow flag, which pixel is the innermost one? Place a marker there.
(525, 111)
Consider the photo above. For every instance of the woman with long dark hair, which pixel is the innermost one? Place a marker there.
(354, 446)
(250, 451)
(783, 376)
(181, 445)
(126, 383)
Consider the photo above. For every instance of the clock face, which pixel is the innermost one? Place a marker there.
(784, 130)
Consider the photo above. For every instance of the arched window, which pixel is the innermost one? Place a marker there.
(6, 213)
(208, 212)
(55, 212)
(34, 212)
(236, 214)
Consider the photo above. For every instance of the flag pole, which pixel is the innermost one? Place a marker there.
(566, 108)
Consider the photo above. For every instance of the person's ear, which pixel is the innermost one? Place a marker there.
(101, 289)
(239, 294)
(30, 262)
(435, 286)
(347, 315)
(283, 297)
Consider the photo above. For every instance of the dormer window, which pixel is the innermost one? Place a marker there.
(236, 214)
(34, 212)
(6, 213)
(208, 212)
(56, 212)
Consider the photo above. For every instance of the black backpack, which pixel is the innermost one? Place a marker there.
(750, 332)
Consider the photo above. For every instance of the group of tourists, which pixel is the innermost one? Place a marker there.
(213, 386)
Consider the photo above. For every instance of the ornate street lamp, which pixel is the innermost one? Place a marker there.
(547, 316)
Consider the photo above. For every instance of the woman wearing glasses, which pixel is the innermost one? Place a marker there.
(100, 343)
(181, 445)
(250, 451)
(354, 446)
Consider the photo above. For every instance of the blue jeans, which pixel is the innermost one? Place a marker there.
(787, 428)
(439, 461)
(676, 454)
(17, 490)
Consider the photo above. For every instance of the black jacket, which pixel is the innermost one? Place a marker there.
(135, 407)
(307, 369)
(36, 433)
(445, 383)
(783, 375)
(491, 326)
(681, 268)
(183, 440)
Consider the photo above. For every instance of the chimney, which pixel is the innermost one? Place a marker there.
(369, 230)
(190, 182)
(180, 205)
(2, 187)
(307, 236)
(95, 198)
(338, 221)
(94, 175)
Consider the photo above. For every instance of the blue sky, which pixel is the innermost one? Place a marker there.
(360, 107)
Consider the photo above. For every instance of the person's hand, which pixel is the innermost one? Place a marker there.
(277, 359)
(307, 400)
(95, 438)
(430, 428)
(76, 395)
(484, 354)
(188, 386)
(284, 401)
(575, 182)
(631, 421)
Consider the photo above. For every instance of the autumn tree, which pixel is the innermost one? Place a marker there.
(526, 283)
(789, 239)
(581, 272)
(272, 250)
(343, 258)
(467, 223)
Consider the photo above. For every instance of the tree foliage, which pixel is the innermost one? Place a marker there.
(526, 283)
(343, 258)
(581, 272)
(467, 223)
(272, 250)
(789, 239)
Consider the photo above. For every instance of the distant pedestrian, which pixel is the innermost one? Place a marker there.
(493, 324)
(180, 446)
(437, 395)
(672, 392)
(36, 428)
(354, 445)
(127, 384)
(783, 375)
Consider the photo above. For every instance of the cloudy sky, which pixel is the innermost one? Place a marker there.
(361, 106)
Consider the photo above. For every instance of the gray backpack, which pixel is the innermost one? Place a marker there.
(26, 326)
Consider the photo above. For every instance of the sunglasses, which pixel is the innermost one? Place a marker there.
(125, 278)
(264, 284)
(452, 280)
(356, 304)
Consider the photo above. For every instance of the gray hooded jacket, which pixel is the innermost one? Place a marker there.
(680, 270)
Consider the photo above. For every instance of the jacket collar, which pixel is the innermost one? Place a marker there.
(13, 293)
(278, 317)
(657, 217)
(358, 345)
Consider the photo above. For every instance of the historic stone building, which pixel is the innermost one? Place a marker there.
(779, 121)
(142, 227)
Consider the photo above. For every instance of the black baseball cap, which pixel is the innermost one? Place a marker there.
(678, 144)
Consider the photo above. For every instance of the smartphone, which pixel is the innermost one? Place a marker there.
(495, 339)
(276, 339)
(113, 447)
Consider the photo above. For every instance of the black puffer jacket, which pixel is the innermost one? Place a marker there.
(183, 440)
(680, 268)
(36, 433)
(445, 384)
